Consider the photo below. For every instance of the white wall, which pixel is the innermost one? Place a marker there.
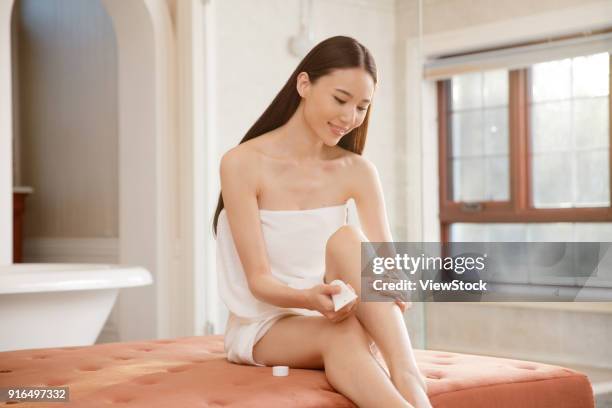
(6, 130)
(253, 63)
(147, 200)
(439, 16)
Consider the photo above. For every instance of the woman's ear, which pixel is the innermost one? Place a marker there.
(303, 84)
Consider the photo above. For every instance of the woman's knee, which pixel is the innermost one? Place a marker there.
(341, 245)
(348, 331)
(345, 238)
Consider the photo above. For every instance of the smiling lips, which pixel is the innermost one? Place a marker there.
(338, 131)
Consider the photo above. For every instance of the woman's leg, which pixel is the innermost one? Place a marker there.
(382, 320)
(341, 348)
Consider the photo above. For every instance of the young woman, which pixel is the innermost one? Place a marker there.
(282, 235)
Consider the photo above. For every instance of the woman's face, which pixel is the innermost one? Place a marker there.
(337, 102)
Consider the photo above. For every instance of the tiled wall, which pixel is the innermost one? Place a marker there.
(545, 334)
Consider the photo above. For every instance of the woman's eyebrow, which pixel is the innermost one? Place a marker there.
(349, 95)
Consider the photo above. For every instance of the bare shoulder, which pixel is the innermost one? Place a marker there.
(361, 175)
(356, 173)
(359, 165)
(240, 162)
(235, 159)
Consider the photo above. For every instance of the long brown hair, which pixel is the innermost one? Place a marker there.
(333, 53)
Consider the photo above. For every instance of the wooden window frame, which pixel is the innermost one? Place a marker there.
(519, 208)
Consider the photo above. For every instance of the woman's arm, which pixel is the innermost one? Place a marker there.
(369, 201)
(239, 186)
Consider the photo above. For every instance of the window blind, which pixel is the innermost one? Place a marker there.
(517, 57)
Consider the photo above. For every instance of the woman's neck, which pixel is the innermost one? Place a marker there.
(299, 141)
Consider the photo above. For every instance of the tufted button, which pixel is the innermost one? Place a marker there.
(90, 368)
(178, 369)
(239, 384)
(123, 358)
(147, 382)
(215, 403)
(527, 367)
(147, 349)
(40, 357)
(5, 371)
(121, 400)
(434, 374)
(56, 383)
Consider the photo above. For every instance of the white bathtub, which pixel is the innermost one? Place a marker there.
(56, 305)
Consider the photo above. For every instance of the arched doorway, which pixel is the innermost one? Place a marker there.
(146, 123)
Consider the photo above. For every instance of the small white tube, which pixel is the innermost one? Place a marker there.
(280, 371)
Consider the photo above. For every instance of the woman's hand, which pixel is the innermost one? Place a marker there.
(401, 297)
(403, 305)
(319, 299)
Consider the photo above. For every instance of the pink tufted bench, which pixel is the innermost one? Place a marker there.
(193, 372)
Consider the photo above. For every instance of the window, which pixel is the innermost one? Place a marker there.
(522, 150)
(479, 154)
(569, 132)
